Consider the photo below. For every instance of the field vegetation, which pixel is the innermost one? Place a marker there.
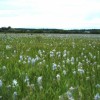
(46, 67)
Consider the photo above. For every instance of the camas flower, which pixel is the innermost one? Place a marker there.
(14, 82)
(97, 97)
(0, 83)
(58, 77)
(39, 80)
(54, 67)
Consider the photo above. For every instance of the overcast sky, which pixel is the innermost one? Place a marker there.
(62, 14)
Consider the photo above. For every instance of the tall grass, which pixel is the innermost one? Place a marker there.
(49, 68)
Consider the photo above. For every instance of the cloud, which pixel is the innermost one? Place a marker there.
(50, 13)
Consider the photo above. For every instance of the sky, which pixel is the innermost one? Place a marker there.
(60, 14)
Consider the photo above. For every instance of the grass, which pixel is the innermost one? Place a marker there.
(49, 68)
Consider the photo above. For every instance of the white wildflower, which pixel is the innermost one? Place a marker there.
(64, 72)
(4, 68)
(15, 95)
(98, 86)
(21, 57)
(72, 59)
(81, 71)
(79, 64)
(27, 80)
(8, 47)
(40, 87)
(51, 54)
(54, 67)
(58, 77)
(74, 72)
(33, 61)
(39, 80)
(69, 95)
(68, 61)
(64, 55)
(0, 83)
(24, 62)
(97, 97)
(14, 82)
(36, 58)
(71, 88)
(29, 59)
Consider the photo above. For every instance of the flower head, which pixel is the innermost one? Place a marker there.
(0, 83)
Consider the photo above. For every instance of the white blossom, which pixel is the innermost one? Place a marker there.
(0, 83)
(14, 82)
(8, 47)
(64, 72)
(97, 97)
(81, 71)
(15, 95)
(54, 66)
(58, 77)
(21, 57)
(39, 80)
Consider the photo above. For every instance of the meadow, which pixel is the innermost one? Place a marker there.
(49, 67)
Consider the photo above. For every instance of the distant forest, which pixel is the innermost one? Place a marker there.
(9, 29)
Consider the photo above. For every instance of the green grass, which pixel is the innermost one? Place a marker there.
(76, 63)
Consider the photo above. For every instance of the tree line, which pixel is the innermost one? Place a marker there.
(9, 29)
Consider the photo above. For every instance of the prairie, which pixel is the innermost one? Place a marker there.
(49, 67)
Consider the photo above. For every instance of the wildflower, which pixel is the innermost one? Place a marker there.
(97, 97)
(51, 54)
(4, 68)
(29, 59)
(98, 66)
(74, 72)
(83, 48)
(54, 66)
(81, 71)
(64, 55)
(14, 82)
(64, 72)
(24, 62)
(39, 80)
(14, 95)
(7, 57)
(98, 85)
(33, 61)
(36, 58)
(43, 61)
(72, 59)
(8, 47)
(79, 64)
(87, 78)
(32, 86)
(69, 95)
(40, 87)
(0, 97)
(9, 87)
(94, 57)
(58, 77)
(90, 54)
(68, 61)
(61, 97)
(71, 88)
(0, 83)
(21, 57)
(77, 59)
(27, 80)
(58, 66)
(82, 54)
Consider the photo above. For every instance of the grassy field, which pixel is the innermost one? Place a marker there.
(49, 67)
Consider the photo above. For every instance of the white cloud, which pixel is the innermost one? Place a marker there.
(50, 13)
